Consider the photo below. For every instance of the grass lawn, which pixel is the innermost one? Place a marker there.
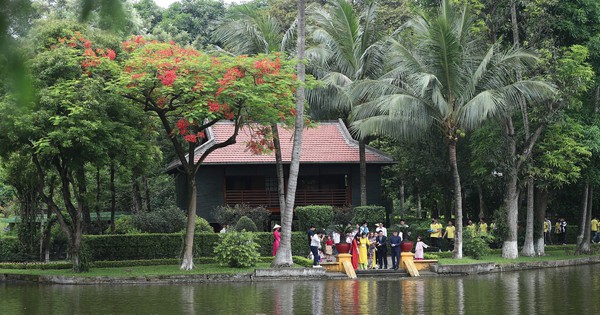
(497, 258)
(139, 271)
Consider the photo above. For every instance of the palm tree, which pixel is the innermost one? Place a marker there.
(347, 50)
(441, 77)
(252, 32)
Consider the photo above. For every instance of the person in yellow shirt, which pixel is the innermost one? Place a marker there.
(546, 229)
(471, 228)
(435, 230)
(595, 235)
(449, 233)
(483, 227)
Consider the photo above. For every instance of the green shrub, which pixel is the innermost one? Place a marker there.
(342, 215)
(237, 250)
(370, 214)
(167, 220)
(203, 226)
(10, 249)
(302, 261)
(124, 225)
(231, 214)
(475, 246)
(319, 216)
(245, 224)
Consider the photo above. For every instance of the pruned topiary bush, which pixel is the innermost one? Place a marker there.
(237, 250)
(245, 224)
(203, 226)
(167, 220)
(319, 216)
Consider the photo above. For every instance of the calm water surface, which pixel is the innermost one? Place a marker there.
(567, 290)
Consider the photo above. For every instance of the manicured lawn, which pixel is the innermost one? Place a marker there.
(139, 271)
(497, 258)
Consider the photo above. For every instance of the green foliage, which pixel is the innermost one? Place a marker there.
(245, 224)
(231, 214)
(370, 214)
(10, 249)
(342, 215)
(237, 250)
(124, 225)
(302, 261)
(167, 220)
(475, 246)
(203, 226)
(319, 216)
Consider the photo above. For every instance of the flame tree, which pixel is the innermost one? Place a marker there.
(189, 91)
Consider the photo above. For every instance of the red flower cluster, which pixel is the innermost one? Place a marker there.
(182, 125)
(167, 77)
(266, 66)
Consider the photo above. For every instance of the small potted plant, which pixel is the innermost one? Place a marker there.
(342, 247)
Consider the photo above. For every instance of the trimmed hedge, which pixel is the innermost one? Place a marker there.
(159, 246)
(370, 214)
(319, 216)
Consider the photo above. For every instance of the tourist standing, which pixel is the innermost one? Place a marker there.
(563, 231)
(380, 227)
(276, 238)
(435, 229)
(364, 229)
(370, 258)
(328, 247)
(315, 245)
(419, 255)
(381, 245)
(354, 252)
(310, 232)
(471, 228)
(547, 230)
(395, 241)
(449, 234)
(363, 246)
(483, 227)
(594, 225)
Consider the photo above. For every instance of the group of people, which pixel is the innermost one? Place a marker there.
(560, 230)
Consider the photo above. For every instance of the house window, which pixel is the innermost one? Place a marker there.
(270, 183)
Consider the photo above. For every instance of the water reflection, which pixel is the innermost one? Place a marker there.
(571, 290)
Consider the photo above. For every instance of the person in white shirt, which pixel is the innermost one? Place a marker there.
(381, 228)
(224, 229)
(315, 244)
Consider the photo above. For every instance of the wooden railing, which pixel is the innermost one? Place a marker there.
(269, 199)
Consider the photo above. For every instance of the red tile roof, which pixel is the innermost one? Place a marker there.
(327, 142)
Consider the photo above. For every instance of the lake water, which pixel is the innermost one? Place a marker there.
(566, 290)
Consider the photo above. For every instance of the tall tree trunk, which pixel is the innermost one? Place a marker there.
(284, 253)
(457, 253)
(363, 172)
(146, 193)
(98, 218)
(511, 197)
(279, 167)
(113, 197)
(481, 201)
(80, 196)
(418, 204)
(137, 196)
(583, 225)
(540, 205)
(401, 196)
(448, 204)
(528, 248)
(187, 262)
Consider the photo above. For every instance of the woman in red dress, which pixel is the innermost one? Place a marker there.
(276, 238)
(354, 251)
